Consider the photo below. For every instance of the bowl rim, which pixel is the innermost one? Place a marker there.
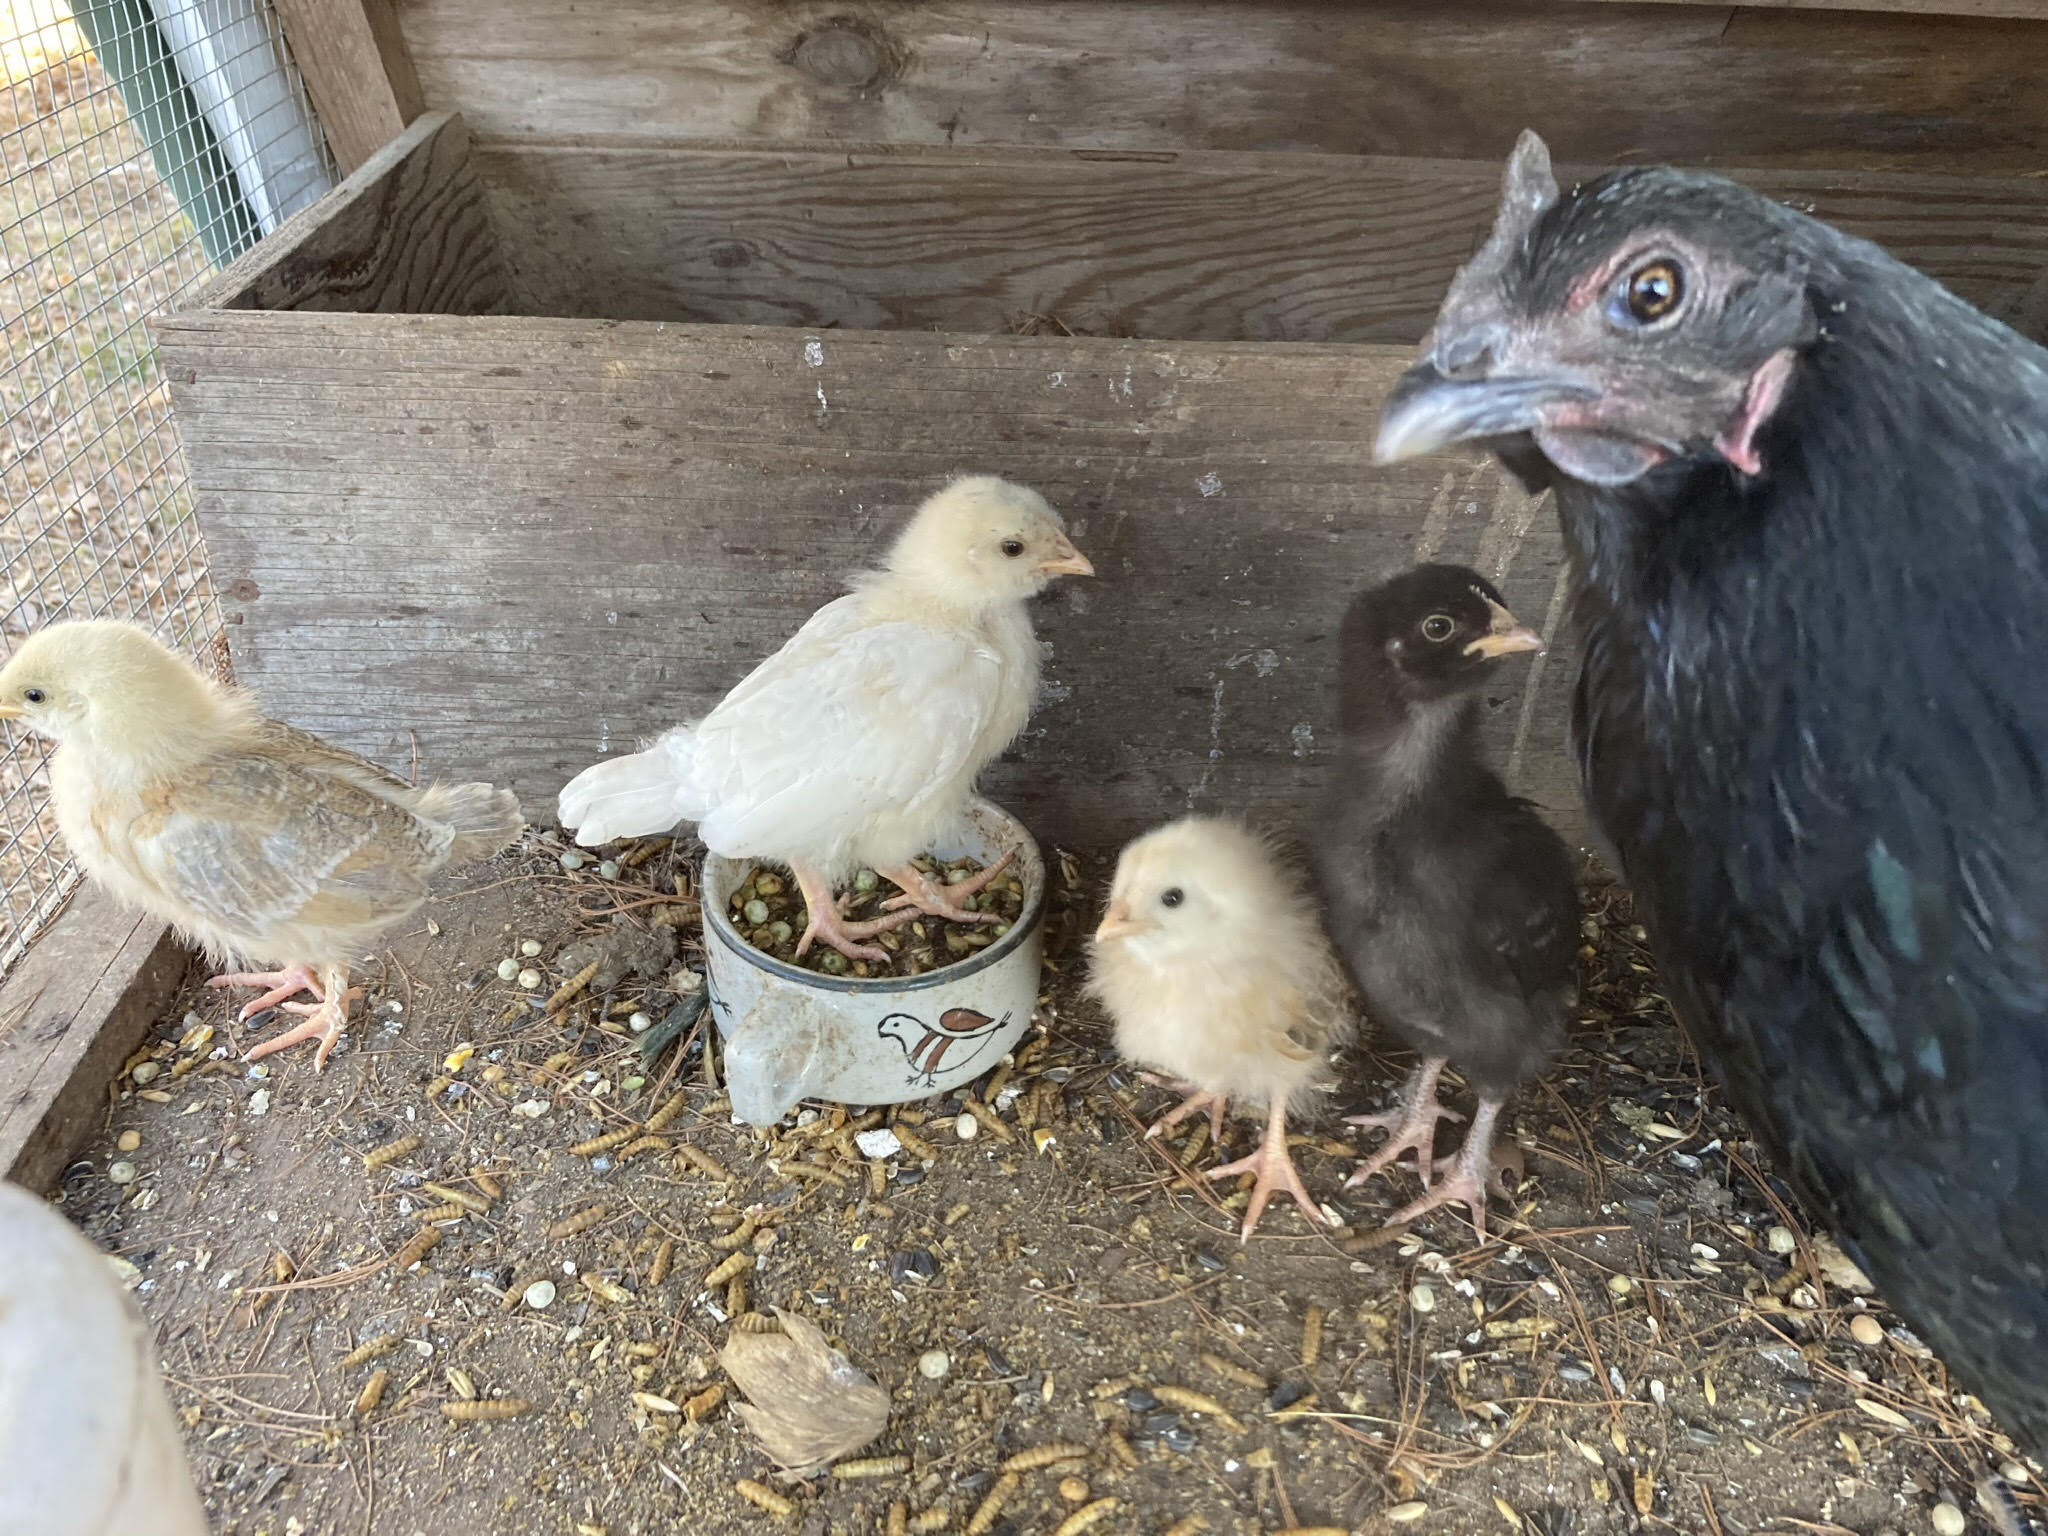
(720, 927)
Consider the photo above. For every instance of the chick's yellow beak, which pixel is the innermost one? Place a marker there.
(11, 711)
(1067, 560)
(1504, 636)
(1117, 923)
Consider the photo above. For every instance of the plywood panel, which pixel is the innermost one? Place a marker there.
(1605, 83)
(533, 541)
(1175, 246)
(357, 70)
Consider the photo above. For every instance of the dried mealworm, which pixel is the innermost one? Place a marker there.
(673, 1106)
(958, 1213)
(569, 990)
(1187, 1526)
(700, 1407)
(702, 1161)
(462, 1197)
(1311, 1335)
(416, 1248)
(390, 1152)
(604, 1143)
(1084, 1517)
(736, 1296)
(436, 1088)
(638, 1145)
(878, 1178)
(1313, 1530)
(871, 1466)
(370, 1349)
(810, 1171)
(736, 1264)
(1120, 1448)
(433, 1213)
(999, 1494)
(372, 1393)
(915, 1144)
(486, 1410)
(582, 1221)
(555, 1063)
(764, 1498)
(757, 1322)
(1047, 1455)
(738, 1237)
(644, 851)
(1188, 1401)
(991, 1122)
(925, 1521)
(492, 1189)
(664, 1260)
(898, 1520)
(1230, 1370)
(605, 1289)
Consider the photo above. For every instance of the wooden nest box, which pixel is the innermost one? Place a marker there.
(594, 381)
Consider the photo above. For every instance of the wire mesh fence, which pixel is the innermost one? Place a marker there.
(143, 143)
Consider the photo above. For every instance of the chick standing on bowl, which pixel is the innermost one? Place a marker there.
(1213, 964)
(257, 840)
(1452, 902)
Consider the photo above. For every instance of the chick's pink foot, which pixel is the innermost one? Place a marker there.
(1197, 1099)
(1470, 1176)
(926, 895)
(1412, 1124)
(824, 920)
(1274, 1170)
(325, 1020)
(287, 983)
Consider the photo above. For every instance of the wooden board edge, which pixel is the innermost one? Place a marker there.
(358, 70)
(78, 1004)
(2003, 10)
(302, 232)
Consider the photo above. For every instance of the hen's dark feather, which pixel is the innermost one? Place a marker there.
(1812, 717)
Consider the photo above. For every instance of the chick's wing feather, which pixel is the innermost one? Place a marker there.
(253, 841)
(847, 720)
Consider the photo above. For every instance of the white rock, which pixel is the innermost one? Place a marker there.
(933, 1364)
(507, 969)
(533, 1109)
(640, 1023)
(529, 947)
(1422, 1299)
(880, 1142)
(121, 1173)
(259, 1102)
(540, 1295)
(529, 978)
(1948, 1520)
(965, 1126)
(146, 1072)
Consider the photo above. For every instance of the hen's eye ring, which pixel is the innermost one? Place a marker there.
(1438, 627)
(1013, 547)
(1655, 289)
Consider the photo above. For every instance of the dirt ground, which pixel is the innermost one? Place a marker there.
(1632, 1349)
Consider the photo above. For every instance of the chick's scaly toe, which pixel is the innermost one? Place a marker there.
(325, 1022)
(287, 983)
(926, 895)
(1274, 1171)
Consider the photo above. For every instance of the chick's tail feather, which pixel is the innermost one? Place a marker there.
(635, 796)
(483, 817)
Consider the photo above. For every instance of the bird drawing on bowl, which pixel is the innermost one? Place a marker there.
(1804, 496)
(258, 842)
(933, 1048)
(1451, 900)
(858, 743)
(1212, 962)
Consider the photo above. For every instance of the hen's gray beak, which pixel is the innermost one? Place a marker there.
(1429, 410)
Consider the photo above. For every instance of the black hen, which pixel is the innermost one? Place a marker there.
(1451, 902)
(1804, 491)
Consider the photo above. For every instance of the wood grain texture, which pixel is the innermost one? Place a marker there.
(80, 1001)
(523, 543)
(357, 69)
(1173, 246)
(409, 232)
(1604, 83)
(2024, 10)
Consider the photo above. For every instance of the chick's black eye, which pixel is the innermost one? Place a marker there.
(1013, 547)
(1655, 289)
(1438, 627)
(34, 695)
(1171, 896)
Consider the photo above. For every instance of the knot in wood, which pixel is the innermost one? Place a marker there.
(847, 52)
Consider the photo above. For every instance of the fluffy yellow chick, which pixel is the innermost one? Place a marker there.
(259, 842)
(1213, 964)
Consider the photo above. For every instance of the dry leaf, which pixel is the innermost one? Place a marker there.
(809, 1404)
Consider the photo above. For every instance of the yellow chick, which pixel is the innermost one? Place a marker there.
(257, 841)
(1213, 963)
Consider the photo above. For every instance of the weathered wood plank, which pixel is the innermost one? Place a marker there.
(1176, 246)
(79, 1002)
(1690, 84)
(409, 232)
(524, 542)
(353, 56)
(2024, 10)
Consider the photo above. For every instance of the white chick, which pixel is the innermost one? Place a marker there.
(1213, 964)
(257, 841)
(858, 743)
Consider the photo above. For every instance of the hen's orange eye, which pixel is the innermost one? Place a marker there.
(1655, 289)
